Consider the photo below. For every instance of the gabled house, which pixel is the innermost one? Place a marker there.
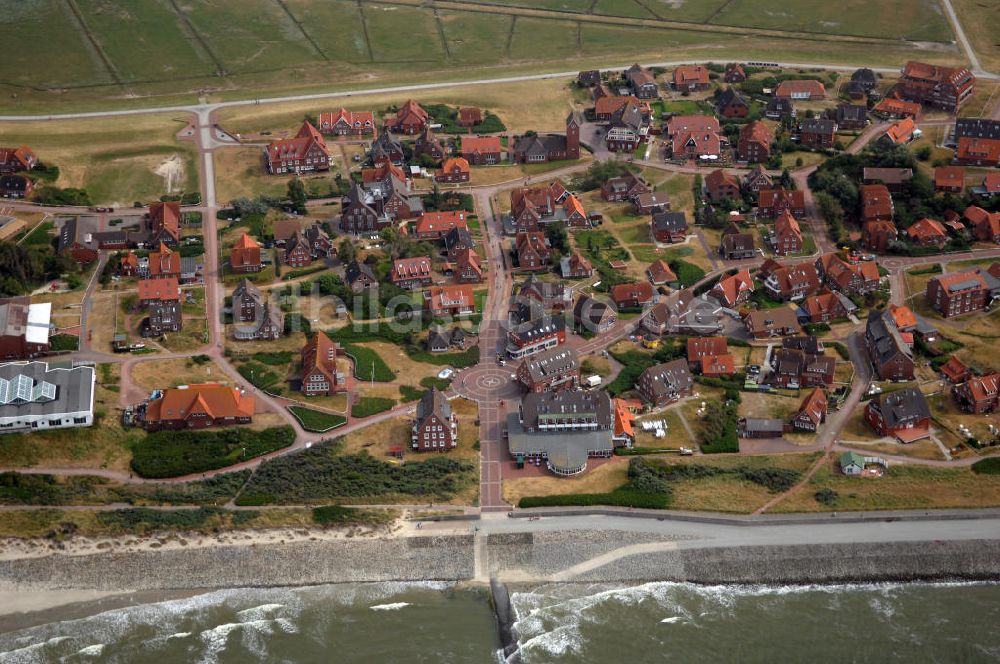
(548, 294)
(850, 278)
(303, 153)
(164, 263)
(948, 88)
(684, 313)
(877, 235)
(960, 293)
(454, 170)
(150, 290)
(536, 335)
(532, 207)
(902, 414)
(594, 315)
(633, 296)
(457, 300)
(298, 252)
(482, 150)
(817, 133)
(793, 368)
(162, 316)
(791, 282)
(978, 394)
(435, 225)
(623, 188)
(245, 255)
(694, 137)
(659, 273)
(786, 237)
(16, 186)
(876, 202)
(985, 226)
(428, 145)
(851, 116)
(900, 132)
(731, 104)
(198, 407)
(642, 82)
(824, 307)
(468, 267)
(890, 354)
(734, 73)
(755, 142)
(16, 160)
(662, 384)
(955, 370)
(894, 179)
(772, 202)
(984, 152)
(576, 266)
(411, 273)
(770, 323)
(469, 116)
(949, 179)
(927, 233)
(720, 185)
(812, 412)
(387, 149)
(70, 242)
(410, 119)
(532, 250)
(668, 227)
(347, 123)
(539, 149)
(435, 428)
(893, 108)
(320, 375)
(689, 78)
(778, 108)
(736, 244)
(650, 203)
(164, 220)
(734, 289)
(757, 180)
(702, 347)
(458, 240)
(800, 90)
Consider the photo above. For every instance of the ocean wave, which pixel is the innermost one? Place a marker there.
(394, 606)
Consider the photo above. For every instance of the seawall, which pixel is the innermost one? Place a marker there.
(586, 556)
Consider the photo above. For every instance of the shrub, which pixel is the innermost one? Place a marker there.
(841, 350)
(989, 466)
(775, 480)
(434, 381)
(61, 342)
(368, 406)
(320, 474)
(176, 453)
(144, 519)
(718, 431)
(328, 515)
(688, 274)
(826, 496)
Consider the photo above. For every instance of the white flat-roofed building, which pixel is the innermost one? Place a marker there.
(35, 397)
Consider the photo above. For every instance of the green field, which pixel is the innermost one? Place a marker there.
(132, 52)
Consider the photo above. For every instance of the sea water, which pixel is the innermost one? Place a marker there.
(427, 622)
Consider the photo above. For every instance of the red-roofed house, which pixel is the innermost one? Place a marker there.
(410, 119)
(468, 266)
(576, 266)
(469, 116)
(950, 179)
(812, 412)
(659, 273)
(877, 235)
(694, 136)
(700, 347)
(164, 263)
(772, 202)
(958, 293)
(734, 73)
(158, 289)
(824, 307)
(955, 370)
(791, 282)
(714, 366)
(800, 90)
(434, 225)
(532, 251)
(991, 184)
(734, 289)
(164, 222)
(347, 123)
(786, 237)
(482, 150)
(632, 296)
(876, 202)
(245, 255)
(928, 233)
(411, 272)
(900, 132)
(892, 108)
(973, 151)
(690, 78)
(458, 300)
(305, 152)
(755, 142)
(198, 407)
(720, 185)
(945, 87)
(14, 160)
(849, 278)
(453, 170)
(320, 376)
(979, 394)
(985, 225)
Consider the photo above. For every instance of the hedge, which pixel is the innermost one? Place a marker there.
(619, 498)
(368, 406)
(175, 453)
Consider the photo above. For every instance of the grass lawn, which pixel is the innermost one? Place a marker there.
(315, 420)
(158, 374)
(603, 478)
(193, 335)
(367, 406)
(113, 159)
(902, 487)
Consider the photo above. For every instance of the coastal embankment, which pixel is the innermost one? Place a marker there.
(519, 557)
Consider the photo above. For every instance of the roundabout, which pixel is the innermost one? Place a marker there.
(485, 383)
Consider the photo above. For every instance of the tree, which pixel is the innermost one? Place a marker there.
(348, 251)
(786, 179)
(395, 242)
(297, 195)
(557, 237)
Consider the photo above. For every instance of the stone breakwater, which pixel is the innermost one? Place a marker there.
(521, 557)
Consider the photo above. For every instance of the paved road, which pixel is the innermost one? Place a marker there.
(964, 41)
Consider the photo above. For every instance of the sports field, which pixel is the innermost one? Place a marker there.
(158, 51)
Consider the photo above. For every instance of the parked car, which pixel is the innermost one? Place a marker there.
(446, 373)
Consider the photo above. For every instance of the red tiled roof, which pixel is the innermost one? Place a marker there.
(991, 182)
(718, 365)
(164, 261)
(698, 347)
(948, 177)
(731, 288)
(893, 106)
(458, 296)
(608, 105)
(902, 131)
(481, 145)
(210, 399)
(159, 289)
(904, 317)
(440, 222)
(875, 201)
(788, 88)
(757, 131)
(641, 291)
(978, 149)
(357, 119)
(297, 147)
(771, 198)
(470, 115)
(166, 217)
(786, 225)
(955, 370)
(947, 281)
(410, 268)
(926, 230)
(661, 272)
(688, 74)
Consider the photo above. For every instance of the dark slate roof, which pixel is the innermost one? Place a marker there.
(780, 106)
(762, 425)
(433, 402)
(853, 112)
(728, 97)
(883, 337)
(977, 128)
(670, 221)
(458, 236)
(818, 126)
(540, 145)
(590, 311)
(902, 407)
(670, 377)
(356, 269)
(554, 362)
(66, 390)
(807, 344)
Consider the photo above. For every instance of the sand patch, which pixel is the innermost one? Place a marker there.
(172, 172)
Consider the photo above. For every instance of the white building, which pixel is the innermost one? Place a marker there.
(35, 397)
